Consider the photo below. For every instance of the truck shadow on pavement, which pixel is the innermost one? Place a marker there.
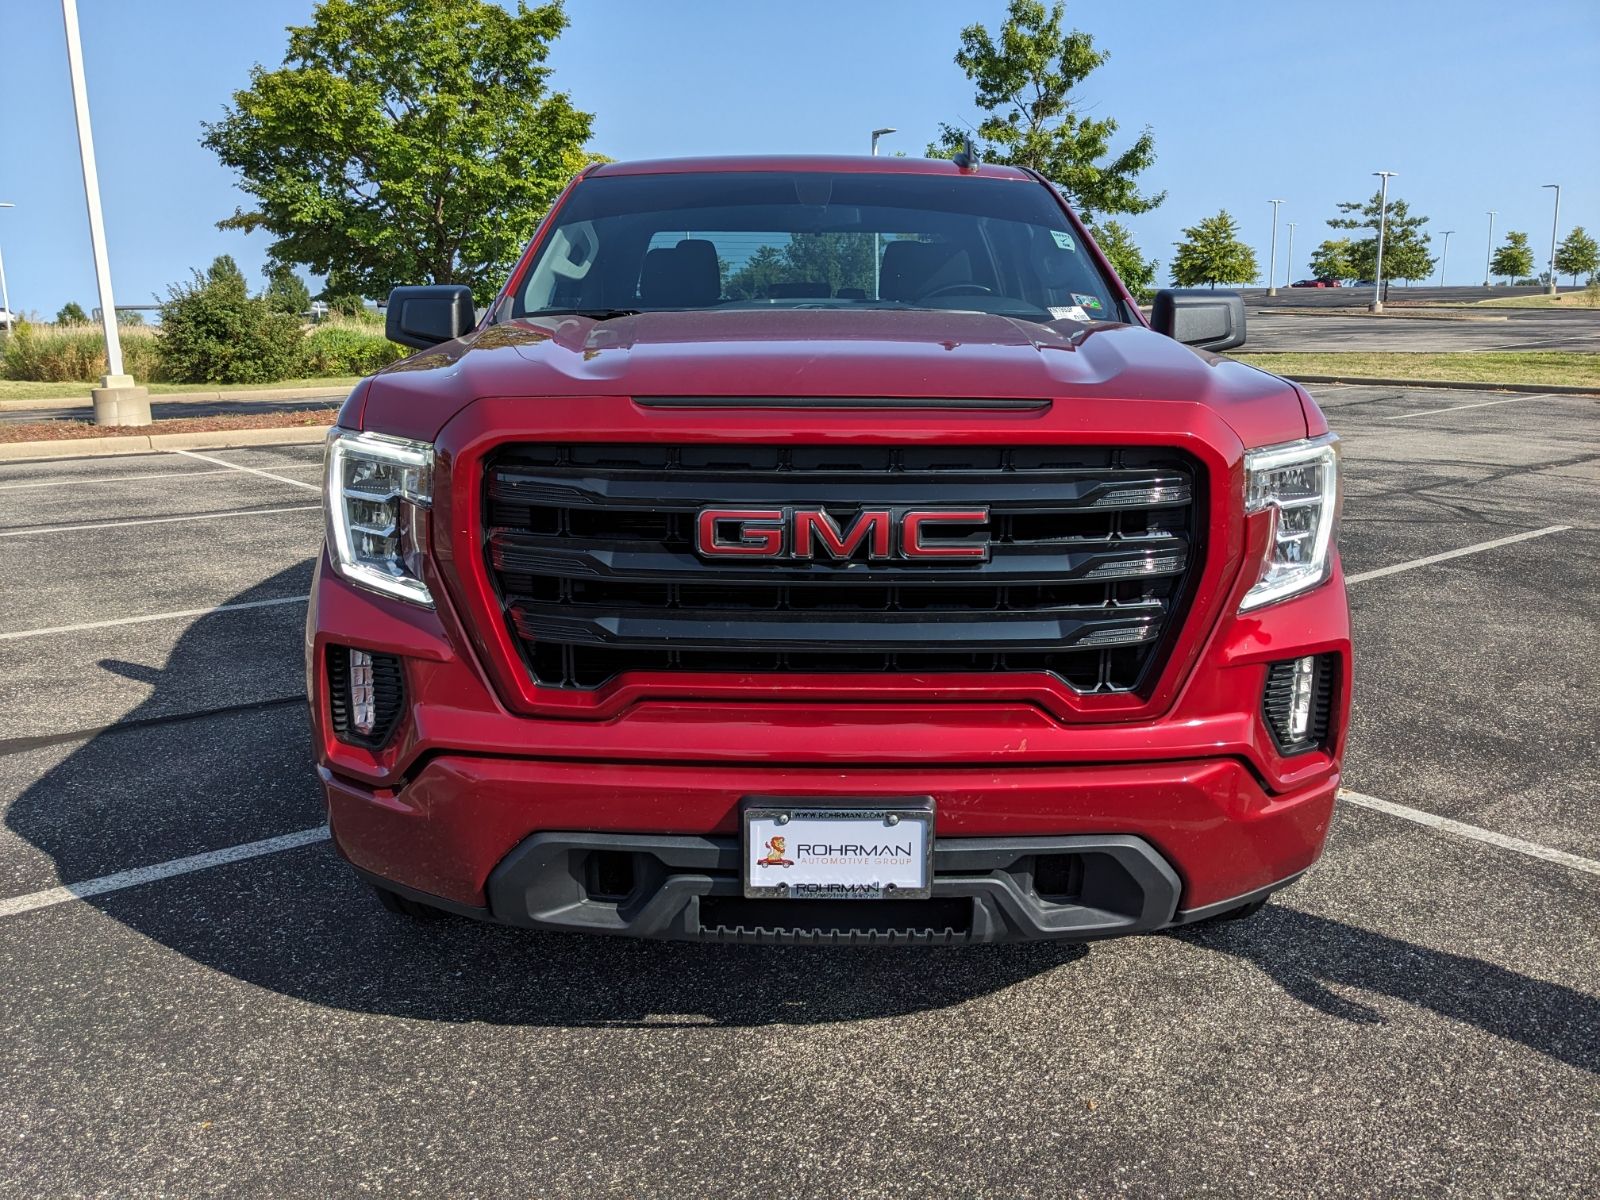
(194, 768)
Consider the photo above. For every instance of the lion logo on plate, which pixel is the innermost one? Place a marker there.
(775, 858)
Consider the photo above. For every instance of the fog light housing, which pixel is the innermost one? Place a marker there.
(1297, 703)
(366, 695)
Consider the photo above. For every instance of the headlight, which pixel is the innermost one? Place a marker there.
(378, 493)
(1298, 484)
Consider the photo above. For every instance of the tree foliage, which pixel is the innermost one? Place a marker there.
(1578, 254)
(1025, 79)
(1212, 253)
(1405, 245)
(286, 292)
(405, 141)
(214, 331)
(830, 260)
(72, 314)
(1334, 259)
(1137, 272)
(1514, 259)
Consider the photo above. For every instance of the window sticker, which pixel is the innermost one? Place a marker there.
(1089, 302)
(1070, 313)
(1063, 240)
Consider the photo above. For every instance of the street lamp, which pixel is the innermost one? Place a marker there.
(877, 265)
(1272, 258)
(1444, 255)
(116, 401)
(1555, 224)
(1488, 255)
(1288, 266)
(5, 296)
(1383, 220)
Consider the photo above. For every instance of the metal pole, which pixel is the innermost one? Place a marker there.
(1288, 266)
(877, 265)
(5, 296)
(1272, 258)
(1444, 255)
(1488, 255)
(116, 401)
(1555, 225)
(1383, 219)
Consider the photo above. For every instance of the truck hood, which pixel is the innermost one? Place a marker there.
(824, 353)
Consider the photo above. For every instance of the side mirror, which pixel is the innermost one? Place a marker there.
(1200, 317)
(423, 317)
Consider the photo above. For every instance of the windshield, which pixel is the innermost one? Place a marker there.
(643, 243)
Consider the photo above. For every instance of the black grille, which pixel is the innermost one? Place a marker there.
(389, 697)
(592, 550)
(1276, 700)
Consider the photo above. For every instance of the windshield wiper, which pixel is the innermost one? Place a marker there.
(598, 314)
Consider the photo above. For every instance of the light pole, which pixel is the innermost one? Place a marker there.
(1488, 255)
(1444, 255)
(1272, 258)
(1555, 224)
(1383, 220)
(116, 401)
(1288, 266)
(877, 265)
(5, 296)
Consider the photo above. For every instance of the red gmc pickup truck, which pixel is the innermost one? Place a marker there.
(827, 550)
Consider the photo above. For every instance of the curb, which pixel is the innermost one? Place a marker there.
(1456, 385)
(158, 443)
(231, 396)
(1388, 314)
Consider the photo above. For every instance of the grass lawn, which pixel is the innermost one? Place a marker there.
(17, 389)
(1583, 299)
(1507, 366)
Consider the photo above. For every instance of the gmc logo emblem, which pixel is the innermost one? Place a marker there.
(807, 534)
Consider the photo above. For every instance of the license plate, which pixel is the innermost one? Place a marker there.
(838, 850)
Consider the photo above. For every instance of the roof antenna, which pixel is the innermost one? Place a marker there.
(966, 158)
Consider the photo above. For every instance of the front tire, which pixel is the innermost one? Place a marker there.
(404, 906)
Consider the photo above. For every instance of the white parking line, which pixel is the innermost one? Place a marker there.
(1414, 563)
(1474, 832)
(17, 635)
(1433, 412)
(222, 462)
(213, 516)
(177, 866)
(48, 483)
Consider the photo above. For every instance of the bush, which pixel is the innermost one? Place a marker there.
(213, 331)
(74, 354)
(338, 348)
(72, 314)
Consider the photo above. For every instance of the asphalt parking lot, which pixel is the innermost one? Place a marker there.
(1420, 1015)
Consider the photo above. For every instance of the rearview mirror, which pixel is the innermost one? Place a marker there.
(422, 317)
(1200, 317)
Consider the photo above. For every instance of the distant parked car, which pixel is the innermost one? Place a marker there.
(1315, 283)
(8, 319)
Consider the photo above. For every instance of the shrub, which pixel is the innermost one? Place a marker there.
(341, 348)
(213, 331)
(74, 354)
(72, 314)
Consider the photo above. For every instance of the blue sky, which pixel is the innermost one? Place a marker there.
(1475, 104)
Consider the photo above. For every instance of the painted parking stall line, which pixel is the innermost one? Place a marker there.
(16, 905)
(1434, 412)
(18, 635)
(226, 514)
(1474, 833)
(222, 462)
(1414, 563)
(93, 479)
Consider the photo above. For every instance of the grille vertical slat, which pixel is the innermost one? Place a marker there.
(1091, 553)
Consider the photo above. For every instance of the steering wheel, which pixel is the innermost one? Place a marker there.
(958, 289)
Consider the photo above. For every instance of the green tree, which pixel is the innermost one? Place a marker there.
(1025, 79)
(1515, 259)
(405, 141)
(1405, 246)
(286, 292)
(129, 316)
(1136, 271)
(1578, 254)
(1334, 259)
(1212, 253)
(214, 331)
(72, 314)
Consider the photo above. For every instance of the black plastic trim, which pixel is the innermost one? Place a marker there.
(1188, 916)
